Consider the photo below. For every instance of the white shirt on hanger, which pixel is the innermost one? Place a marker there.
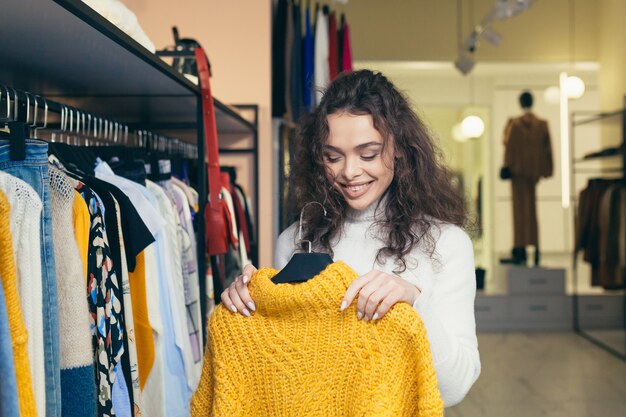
(152, 218)
(322, 68)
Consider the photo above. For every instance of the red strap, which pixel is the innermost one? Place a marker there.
(210, 129)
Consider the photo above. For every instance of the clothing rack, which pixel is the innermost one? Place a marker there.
(578, 305)
(68, 53)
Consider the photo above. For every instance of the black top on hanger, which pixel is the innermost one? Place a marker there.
(302, 267)
(77, 159)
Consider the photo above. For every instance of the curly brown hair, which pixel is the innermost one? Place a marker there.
(421, 194)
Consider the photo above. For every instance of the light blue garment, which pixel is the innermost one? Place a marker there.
(119, 394)
(9, 406)
(34, 171)
(177, 394)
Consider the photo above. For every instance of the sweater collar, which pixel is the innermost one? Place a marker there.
(375, 211)
(324, 290)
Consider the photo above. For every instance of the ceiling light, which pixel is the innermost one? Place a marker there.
(574, 87)
(552, 95)
(457, 133)
(473, 126)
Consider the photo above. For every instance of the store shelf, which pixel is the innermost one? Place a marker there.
(66, 51)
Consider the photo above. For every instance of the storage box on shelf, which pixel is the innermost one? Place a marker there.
(535, 300)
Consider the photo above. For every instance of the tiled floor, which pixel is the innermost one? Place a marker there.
(544, 374)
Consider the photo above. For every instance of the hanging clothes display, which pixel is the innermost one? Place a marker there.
(101, 266)
(34, 171)
(601, 231)
(104, 292)
(309, 50)
(176, 393)
(77, 368)
(25, 230)
(127, 292)
(17, 328)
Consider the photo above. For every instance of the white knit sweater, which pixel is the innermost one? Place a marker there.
(447, 284)
(25, 219)
(74, 327)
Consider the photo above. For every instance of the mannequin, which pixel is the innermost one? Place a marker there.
(528, 158)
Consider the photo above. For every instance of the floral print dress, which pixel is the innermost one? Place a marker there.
(104, 296)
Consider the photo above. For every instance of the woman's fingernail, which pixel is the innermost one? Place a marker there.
(252, 306)
(233, 308)
(366, 319)
(375, 317)
(245, 279)
(246, 312)
(359, 315)
(344, 304)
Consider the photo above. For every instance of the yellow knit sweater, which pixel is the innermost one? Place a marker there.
(298, 355)
(19, 334)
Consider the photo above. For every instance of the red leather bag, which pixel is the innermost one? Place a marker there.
(215, 212)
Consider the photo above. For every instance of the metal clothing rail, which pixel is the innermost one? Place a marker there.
(39, 113)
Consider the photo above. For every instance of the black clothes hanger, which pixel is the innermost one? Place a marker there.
(303, 266)
(16, 126)
(74, 158)
(17, 134)
(160, 166)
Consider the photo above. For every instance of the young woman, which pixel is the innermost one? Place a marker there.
(392, 216)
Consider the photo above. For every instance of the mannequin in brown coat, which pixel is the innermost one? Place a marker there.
(528, 157)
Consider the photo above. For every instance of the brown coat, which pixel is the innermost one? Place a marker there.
(528, 152)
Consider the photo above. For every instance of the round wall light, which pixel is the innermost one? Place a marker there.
(552, 95)
(472, 126)
(457, 133)
(575, 87)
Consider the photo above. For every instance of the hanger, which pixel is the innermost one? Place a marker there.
(45, 116)
(303, 266)
(77, 159)
(17, 129)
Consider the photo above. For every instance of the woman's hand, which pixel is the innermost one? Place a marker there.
(378, 292)
(236, 297)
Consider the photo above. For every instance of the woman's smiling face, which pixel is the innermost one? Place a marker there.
(357, 162)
